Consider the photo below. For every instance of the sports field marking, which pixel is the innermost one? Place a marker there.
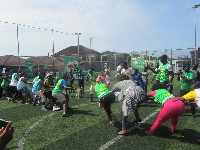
(111, 142)
(25, 134)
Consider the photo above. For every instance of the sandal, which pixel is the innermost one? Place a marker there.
(123, 132)
(137, 120)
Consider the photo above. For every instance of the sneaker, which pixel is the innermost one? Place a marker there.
(137, 120)
(56, 108)
(100, 105)
(193, 116)
(38, 104)
(9, 99)
(44, 109)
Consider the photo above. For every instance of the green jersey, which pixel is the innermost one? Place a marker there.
(93, 78)
(101, 89)
(157, 75)
(164, 73)
(162, 95)
(44, 88)
(75, 69)
(186, 85)
(5, 82)
(59, 87)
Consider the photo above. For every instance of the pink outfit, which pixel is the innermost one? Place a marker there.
(172, 108)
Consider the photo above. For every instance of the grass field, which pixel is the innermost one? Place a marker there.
(89, 129)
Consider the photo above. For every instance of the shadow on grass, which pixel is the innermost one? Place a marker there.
(83, 112)
(186, 135)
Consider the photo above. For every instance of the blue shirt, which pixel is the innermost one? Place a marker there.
(139, 80)
(37, 86)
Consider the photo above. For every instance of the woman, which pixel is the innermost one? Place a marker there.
(24, 88)
(172, 107)
(193, 97)
(133, 96)
(186, 78)
(106, 97)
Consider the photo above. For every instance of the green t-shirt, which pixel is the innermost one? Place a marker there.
(101, 89)
(164, 73)
(93, 78)
(58, 87)
(75, 69)
(5, 82)
(157, 75)
(186, 85)
(162, 95)
(44, 88)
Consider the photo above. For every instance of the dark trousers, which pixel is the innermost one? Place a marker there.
(182, 92)
(1, 92)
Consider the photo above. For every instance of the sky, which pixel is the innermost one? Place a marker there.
(109, 25)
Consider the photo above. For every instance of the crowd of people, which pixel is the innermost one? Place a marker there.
(131, 88)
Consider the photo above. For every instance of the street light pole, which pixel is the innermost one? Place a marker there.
(196, 6)
(78, 43)
(18, 45)
(53, 50)
(90, 52)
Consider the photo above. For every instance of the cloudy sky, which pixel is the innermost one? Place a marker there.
(115, 25)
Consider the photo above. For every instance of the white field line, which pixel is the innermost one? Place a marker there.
(25, 134)
(105, 146)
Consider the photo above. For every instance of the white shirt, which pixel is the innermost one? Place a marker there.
(169, 67)
(13, 81)
(107, 79)
(119, 68)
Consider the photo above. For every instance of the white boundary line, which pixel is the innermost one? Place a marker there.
(25, 134)
(111, 142)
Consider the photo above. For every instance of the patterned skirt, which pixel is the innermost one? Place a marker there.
(133, 95)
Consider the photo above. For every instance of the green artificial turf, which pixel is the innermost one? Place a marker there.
(89, 128)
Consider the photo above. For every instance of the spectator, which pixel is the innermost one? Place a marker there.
(196, 73)
(165, 72)
(128, 71)
(156, 75)
(81, 82)
(186, 78)
(145, 78)
(138, 79)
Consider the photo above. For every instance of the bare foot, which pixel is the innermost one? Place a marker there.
(171, 130)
